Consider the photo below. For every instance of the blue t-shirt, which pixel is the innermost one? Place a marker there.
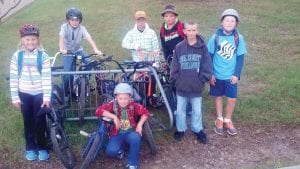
(224, 59)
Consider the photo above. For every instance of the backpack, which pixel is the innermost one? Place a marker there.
(236, 40)
(38, 60)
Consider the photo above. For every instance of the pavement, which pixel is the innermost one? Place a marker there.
(8, 4)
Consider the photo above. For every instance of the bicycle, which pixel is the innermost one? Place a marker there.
(143, 87)
(98, 139)
(58, 136)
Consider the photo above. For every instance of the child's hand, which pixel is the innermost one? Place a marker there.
(117, 122)
(98, 52)
(63, 51)
(17, 105)
(212, 81)
(139, 129)
(234, 80)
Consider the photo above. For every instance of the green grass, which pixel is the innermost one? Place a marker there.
(270, 85)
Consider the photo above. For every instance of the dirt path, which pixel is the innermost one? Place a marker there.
(254, 147)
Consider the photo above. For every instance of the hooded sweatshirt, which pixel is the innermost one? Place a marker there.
(191, 68)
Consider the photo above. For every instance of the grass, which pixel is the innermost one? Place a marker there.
(270, 85)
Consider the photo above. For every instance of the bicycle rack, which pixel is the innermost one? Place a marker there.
(91, 109)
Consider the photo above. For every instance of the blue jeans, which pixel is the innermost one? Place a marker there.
(69, 63)
(196, 119)
(132, 138)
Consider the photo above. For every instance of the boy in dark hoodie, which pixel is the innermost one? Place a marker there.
(191, 68)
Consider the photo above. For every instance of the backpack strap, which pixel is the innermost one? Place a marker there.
(39, 61)
(20, 62)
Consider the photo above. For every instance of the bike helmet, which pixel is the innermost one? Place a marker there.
(29, 29)
(123, 88)
(74, 13)
(230, 12)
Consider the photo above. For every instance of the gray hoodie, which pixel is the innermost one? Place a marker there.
(191, 68)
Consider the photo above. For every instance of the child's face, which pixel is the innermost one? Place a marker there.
(170, 18)
(123, 99)
(190, 31)
(74, 22)
(229, 23)
(141, 23)
(30, 42)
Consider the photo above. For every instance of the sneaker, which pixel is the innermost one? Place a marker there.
(178, 135)
(231, 130)
(43, 155)
(30, 155)
(201, 136)
(218, 127)
(131, 166)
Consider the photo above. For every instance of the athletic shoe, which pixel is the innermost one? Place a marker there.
(131, 166)
(30, 155)
(43, 155)
(218, 127)
(231, 130)
(178, 135)
(201, 136)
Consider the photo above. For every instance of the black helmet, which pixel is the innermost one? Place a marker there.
(74, 13)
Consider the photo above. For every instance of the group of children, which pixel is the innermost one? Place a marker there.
(194, 63)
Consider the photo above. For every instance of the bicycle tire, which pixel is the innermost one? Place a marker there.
(148, 135)
(82, 98)
(61, 146)
(92, 152)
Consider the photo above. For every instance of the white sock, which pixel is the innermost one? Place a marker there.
(227, 120)
(220, 118)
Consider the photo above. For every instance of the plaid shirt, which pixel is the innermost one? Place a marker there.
(146, 40)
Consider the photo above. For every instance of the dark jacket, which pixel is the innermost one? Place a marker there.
(171, 37)
(191, 68)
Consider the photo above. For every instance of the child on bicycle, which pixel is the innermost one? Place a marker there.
(227, 49)
(127, 129)
(30, 87)
(171, 31)
(71, 36)
(190, 70)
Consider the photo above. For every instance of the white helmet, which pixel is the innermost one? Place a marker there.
(123, 88)
(230, 12)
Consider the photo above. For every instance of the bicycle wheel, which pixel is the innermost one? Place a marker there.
(148, 135)
(61, 146)
(93, 151)
(82, 98)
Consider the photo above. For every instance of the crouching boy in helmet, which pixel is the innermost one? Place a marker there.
(124, 113)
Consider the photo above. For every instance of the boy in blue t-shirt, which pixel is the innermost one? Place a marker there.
(227, 49)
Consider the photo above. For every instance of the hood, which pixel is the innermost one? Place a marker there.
(200, 41)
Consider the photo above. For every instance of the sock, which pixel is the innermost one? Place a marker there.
(227, 120)
(220, 118)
